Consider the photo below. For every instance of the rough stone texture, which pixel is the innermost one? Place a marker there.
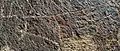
(59, 25)
(30, 34)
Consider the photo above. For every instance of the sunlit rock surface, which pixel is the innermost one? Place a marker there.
(59, 25)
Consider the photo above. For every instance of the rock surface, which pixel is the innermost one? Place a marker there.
(59, 25)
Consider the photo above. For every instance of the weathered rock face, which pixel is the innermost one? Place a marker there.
(29, 34)
(59, 25)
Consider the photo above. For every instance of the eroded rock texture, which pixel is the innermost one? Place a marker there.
(59, 25)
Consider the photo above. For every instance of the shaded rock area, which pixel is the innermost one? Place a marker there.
(59, 25)
(30, 34)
